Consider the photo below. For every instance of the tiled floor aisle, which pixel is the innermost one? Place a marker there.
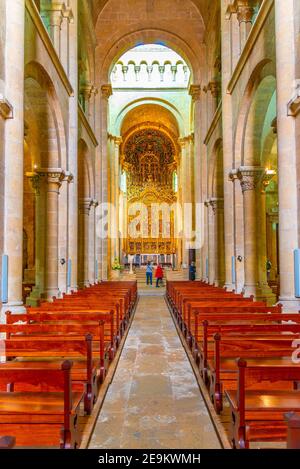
(154, 400)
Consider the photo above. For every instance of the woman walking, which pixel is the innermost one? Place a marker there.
(159, 274)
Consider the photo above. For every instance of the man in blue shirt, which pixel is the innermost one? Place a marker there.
(149, 272)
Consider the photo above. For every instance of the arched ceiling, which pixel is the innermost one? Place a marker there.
(150, 113)
(203, 6)
(177, 24)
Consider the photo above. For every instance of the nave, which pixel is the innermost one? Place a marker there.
(154, 400)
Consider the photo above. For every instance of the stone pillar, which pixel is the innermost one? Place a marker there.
(245, 12)
(185, 197)
(288, 153)
(73, 148)
(266, 291)
(218, 211)
(85, 205)
(228, 139)
(92, 243)
(68, 18)
(106, 92)
(86, 90)
(40, 230)
(249, 177)
(13, 148)
(238, 251)
(195, 92)
(55, 10)
(116, 171)
(211, 242)
(54, 178)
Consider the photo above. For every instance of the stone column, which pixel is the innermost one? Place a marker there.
(238, 251)
(106, 92)
(68, 19)
(85, 205)
(249, 177)
(54, 178)
(40, 230)
(195, 92)
(228, 139)
(86, 90)
(185, 199)
(118, 142)
(13, 156)
(92, 242)
(288, 153)
(245, 12)
(211, 242)
(262, 239)
(55, 11)
(73, 148)
(218, 211)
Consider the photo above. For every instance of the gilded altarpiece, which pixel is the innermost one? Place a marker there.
(149, 157)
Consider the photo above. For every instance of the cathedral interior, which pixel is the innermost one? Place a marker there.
(149, 132)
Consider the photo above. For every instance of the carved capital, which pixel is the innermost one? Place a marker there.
(6, 109)
(35, 180)
(249, 177)
(68, 177)
(214, 87)
(53, 176)
(95, 203)
(233, 175)
(86, 90)
(118, 141)
(245, 10)
(195, 92)
(106, 91)
(85, 205)
(217, 204)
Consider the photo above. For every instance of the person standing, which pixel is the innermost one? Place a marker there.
(149, 271)
(159, 274)
(192, 271)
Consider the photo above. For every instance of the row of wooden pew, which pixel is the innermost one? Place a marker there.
(247, 353)
(56, 357)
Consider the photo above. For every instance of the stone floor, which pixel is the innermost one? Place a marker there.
(154, 400)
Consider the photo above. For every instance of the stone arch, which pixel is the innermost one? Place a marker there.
(150, 36)
(262, 70)
(34, 71)
(155, 101)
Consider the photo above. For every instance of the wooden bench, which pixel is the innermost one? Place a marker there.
(220, 368)
(293, 433)
(47, 418)
(258, 415)
(48, 351)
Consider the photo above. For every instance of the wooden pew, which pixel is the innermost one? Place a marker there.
(47, 418)
(293, 433)
(48, 351)
(258, 415)
(221, 367)
(111, 339)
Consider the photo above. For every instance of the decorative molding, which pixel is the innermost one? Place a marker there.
(216, 204)
(106, 91)
(217, 116)
(195, 92)
(294, 104)
(6, 109)
(250, 176)
(87, 126)
(43, 33)
(256, 29)
(233, 175)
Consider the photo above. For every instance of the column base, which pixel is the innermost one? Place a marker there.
(34, 298)
(290, 305)
(261, 293)
(49, 294)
